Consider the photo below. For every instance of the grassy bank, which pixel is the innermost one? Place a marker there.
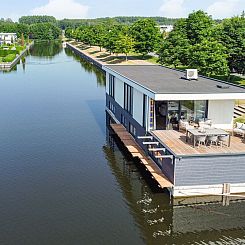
(9, 53)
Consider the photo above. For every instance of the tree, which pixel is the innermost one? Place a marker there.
(209, 58)
(111, 38)
(233, 38)
(146, 34)
(174, 50)
(199, 26)
(124, 44)
(44, 31)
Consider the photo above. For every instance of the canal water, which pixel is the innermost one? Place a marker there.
(65, 180)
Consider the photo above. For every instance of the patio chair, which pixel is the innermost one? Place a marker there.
(201, 140)
(207, 124)
(239, 129)
(184, 125)
(212, 139)
(223, 139)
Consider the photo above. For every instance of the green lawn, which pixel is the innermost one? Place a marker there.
(8, 55)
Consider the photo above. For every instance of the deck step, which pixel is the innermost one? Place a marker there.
(157, 149)
(145, 137)
(151, 143)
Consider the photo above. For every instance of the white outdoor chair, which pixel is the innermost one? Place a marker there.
(223, 139)
(212, 139)
(239, 129)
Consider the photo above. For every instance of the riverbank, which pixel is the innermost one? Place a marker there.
(102, 57)
(6, 66)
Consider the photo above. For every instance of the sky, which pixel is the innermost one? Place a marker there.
(219, 9)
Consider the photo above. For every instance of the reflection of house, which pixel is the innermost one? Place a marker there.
(8, 38)
(151, 100)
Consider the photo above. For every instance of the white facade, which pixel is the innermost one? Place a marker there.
(138, 106)
(221, 113)
(119, 92)
(8, 38)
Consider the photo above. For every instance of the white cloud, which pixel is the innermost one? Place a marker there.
(173, 9)
(225, 8)
(62, 9)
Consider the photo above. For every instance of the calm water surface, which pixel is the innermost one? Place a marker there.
(64, 179)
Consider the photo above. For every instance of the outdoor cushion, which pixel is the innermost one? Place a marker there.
(239, 125)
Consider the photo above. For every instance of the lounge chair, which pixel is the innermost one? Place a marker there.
(239, 129)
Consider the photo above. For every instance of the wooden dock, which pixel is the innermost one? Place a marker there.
(136, 151)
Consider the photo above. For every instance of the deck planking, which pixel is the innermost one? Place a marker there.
(176, 142)
(136, 151)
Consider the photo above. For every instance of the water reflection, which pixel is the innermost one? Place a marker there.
(181, 221)
(90, 68)
(46, 49)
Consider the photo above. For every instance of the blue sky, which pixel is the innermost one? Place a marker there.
(97, 8)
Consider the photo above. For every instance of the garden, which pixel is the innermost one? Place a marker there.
(9, 52)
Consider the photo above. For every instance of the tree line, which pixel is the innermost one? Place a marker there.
(142, 37)
(34, 27)
(213, 47)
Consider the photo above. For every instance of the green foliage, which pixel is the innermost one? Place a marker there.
(233, 38)
(146, 35)
(209, 58)
(29, 20)
(199, 26)
(240, 119)
(120, 20)
(124, 44)
(194, 44)
(9, 58)
(175, 49)
(44, 31)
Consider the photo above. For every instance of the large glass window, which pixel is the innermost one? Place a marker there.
(111, 86)
(193, 110)
(128, 98)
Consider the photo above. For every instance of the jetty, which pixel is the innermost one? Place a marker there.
(135, 150)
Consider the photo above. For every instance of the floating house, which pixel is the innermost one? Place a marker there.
(168, 111)
(8, 38)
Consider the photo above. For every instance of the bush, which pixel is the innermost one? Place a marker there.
(7, 52)
(240, 119)
(9, 58)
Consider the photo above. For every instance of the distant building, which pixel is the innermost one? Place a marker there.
(8, 38)
(166, 28)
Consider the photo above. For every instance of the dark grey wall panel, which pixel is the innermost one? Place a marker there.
(210, 170)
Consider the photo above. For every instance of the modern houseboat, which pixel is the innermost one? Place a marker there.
(183, 122)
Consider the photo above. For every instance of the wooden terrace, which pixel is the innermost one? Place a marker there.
(175, 142)
(136, 151)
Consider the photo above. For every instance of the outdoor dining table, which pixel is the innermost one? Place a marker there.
(208, 132)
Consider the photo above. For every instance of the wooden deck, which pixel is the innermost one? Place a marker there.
(176, 142)
(135, 150)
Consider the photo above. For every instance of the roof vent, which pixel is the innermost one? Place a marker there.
(191, 74)
(225, 86)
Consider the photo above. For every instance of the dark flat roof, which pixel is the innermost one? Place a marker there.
(161, 80)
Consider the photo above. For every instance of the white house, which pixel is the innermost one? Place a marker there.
(8, 38)
(151, 101)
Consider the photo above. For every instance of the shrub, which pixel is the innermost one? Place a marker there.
(240, 119)
(9, 58)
